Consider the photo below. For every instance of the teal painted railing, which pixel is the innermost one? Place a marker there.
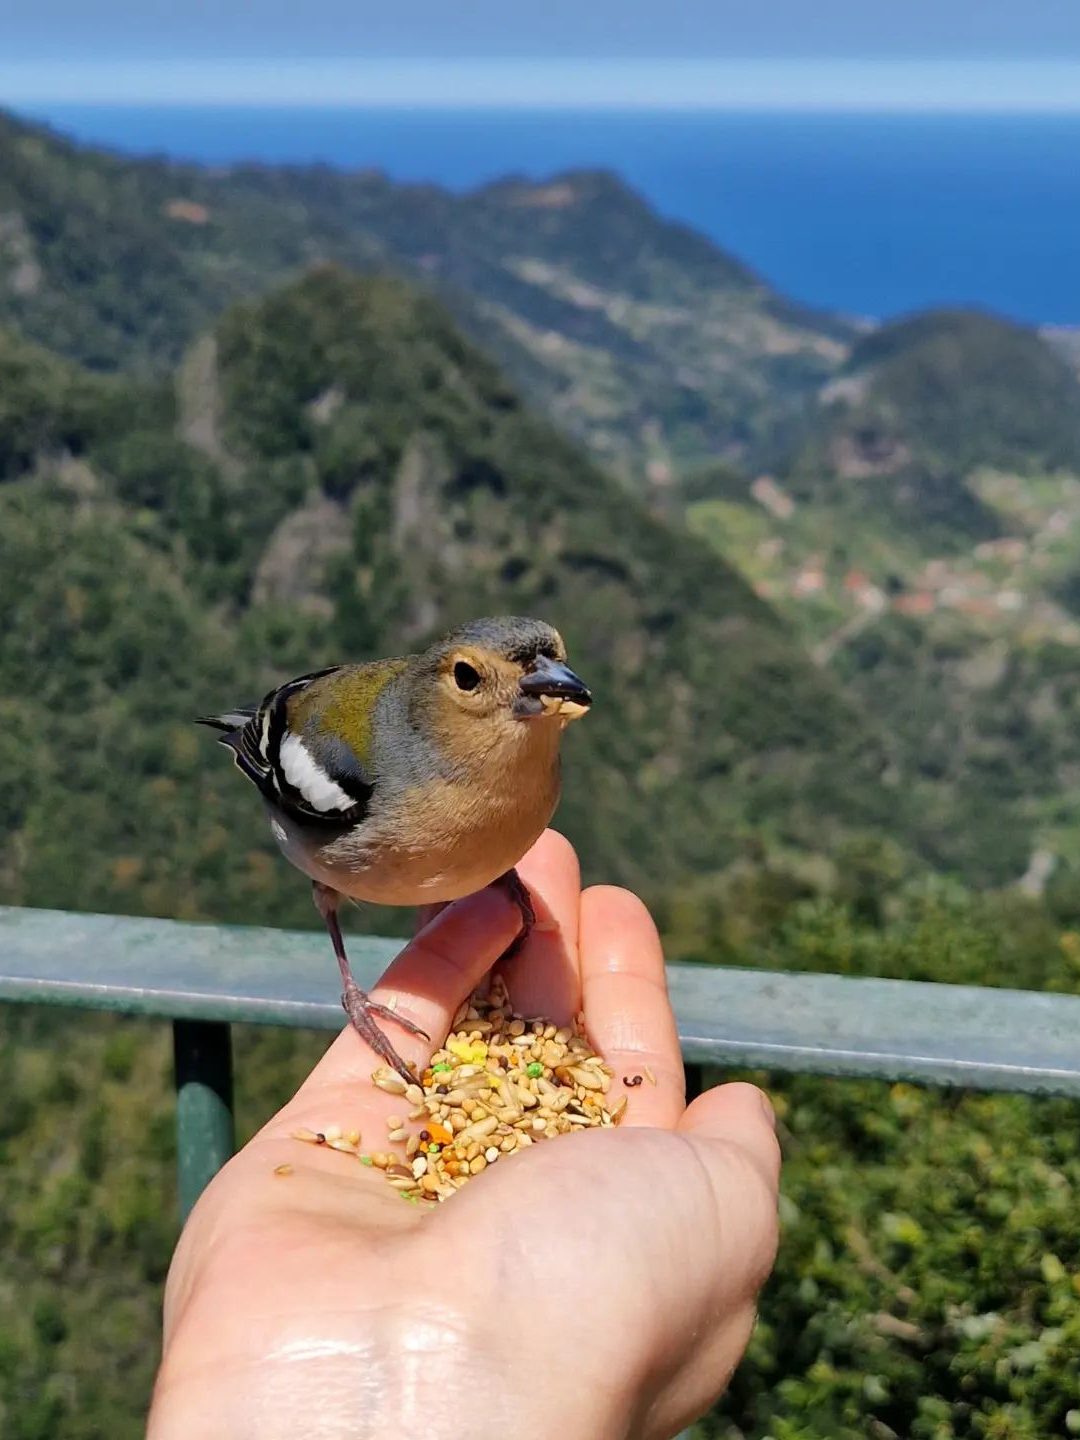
(204, 977)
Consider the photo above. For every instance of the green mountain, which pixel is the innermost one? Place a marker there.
(195, 503)
(635, 335)
(922, 536)
(970, 389)
(919, 406)
(337, 473)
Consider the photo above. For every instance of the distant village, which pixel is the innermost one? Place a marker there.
(993, 581)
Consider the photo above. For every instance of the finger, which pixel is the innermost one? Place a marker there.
(741, 1115)
(426, 913)
(733, 1129)
(438, 969)
(445, 961)
(543, 978)
(626, 1005)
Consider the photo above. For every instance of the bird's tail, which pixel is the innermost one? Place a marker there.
(230, 720)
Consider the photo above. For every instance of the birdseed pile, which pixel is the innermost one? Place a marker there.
(499, 1084)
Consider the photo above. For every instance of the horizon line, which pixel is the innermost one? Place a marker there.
(1005, 87)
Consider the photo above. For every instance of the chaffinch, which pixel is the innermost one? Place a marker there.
(413, 780)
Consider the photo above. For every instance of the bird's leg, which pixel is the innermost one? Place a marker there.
(519, 893)
(355, 1002)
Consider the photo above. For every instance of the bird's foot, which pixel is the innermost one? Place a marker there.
(360, 1009)
(519, 893)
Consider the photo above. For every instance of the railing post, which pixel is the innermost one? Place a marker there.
(204, 1097)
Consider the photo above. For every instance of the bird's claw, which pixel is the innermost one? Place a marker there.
(387, 1012)
(519, 893)
(360, 1009)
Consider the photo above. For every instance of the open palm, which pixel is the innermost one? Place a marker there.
(601, 1286)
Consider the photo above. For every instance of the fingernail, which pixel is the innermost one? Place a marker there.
(766, 1105)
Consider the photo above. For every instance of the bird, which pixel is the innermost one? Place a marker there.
(414, 780)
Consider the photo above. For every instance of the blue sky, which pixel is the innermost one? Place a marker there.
(865, 54)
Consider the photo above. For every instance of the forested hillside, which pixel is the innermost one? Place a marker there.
(354, 479)
(923, 535)
(639, 337)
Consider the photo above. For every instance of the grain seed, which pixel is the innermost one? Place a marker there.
(498, 1084)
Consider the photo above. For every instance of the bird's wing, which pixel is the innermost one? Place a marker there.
(309, 746)
(311, 772)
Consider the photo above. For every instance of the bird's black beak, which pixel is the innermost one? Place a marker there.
(551, 688)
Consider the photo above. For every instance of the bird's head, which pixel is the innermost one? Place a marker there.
(503, 675)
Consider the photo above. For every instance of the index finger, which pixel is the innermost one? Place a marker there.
(627, 1011)
(543, 979)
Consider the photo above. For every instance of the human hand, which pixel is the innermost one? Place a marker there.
(599, 1286)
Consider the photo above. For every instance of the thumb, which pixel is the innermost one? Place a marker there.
(733, 1128)
(737, 1114)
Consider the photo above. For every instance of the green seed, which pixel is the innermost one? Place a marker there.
(534, 1070)
(366, 1160)
(442, 1068)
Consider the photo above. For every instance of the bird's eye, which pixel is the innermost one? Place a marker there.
(465, 677)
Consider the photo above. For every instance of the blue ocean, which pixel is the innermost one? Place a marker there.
(869, 215)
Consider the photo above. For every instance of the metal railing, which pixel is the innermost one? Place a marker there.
(205, 977)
